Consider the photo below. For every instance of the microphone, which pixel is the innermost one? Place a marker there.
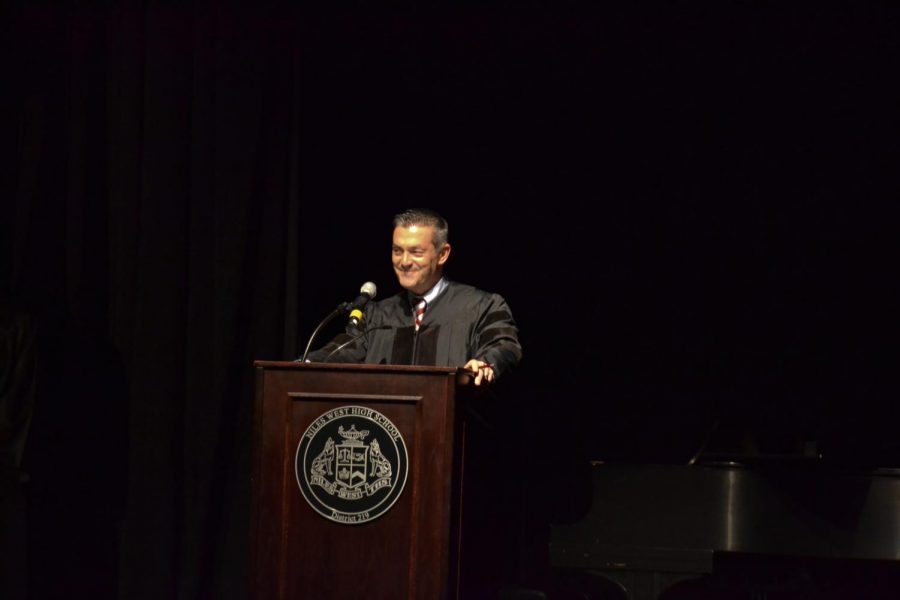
(366, 293)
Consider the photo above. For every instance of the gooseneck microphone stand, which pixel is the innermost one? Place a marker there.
(341, 309)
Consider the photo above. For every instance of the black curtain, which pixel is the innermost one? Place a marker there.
(155, 217)
(691, 211)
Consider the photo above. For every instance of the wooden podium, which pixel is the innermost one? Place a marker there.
(356, 482)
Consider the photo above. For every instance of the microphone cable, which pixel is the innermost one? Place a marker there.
(353, 339)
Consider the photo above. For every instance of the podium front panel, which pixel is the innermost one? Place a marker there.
(312, 542)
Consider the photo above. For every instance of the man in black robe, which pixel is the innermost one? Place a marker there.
(461, 325)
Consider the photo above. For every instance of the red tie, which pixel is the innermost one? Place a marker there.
(420, 312)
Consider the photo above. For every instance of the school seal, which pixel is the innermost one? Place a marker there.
(351, 464)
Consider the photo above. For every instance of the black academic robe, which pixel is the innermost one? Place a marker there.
(462, 323)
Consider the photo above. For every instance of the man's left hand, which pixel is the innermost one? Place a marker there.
(482, 371)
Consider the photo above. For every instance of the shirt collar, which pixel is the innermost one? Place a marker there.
(433, 293)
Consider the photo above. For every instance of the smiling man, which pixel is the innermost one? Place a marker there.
(434, 321)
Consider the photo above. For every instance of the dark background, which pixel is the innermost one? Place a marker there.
(692, 212)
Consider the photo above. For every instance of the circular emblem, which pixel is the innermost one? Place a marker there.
(351, 464)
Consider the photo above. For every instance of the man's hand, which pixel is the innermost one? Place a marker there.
(481, 371)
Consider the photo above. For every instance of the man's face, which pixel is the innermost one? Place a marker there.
(417, 263)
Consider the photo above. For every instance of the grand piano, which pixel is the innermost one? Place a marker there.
(775, 527)
(786, 518)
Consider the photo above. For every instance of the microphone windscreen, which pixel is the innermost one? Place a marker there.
(369, 289)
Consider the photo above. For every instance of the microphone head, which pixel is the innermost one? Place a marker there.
(368, 289)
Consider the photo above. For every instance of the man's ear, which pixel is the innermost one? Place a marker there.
(445, 253)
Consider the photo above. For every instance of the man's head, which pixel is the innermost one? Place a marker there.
(420, 249)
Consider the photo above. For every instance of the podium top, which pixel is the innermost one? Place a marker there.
(289, 365)
(463, 377)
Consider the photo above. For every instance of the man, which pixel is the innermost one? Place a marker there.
(436, 321)
(457, 325)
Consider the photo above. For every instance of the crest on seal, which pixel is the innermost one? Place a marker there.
(351, 464)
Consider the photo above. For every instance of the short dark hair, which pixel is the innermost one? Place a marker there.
(427, 217)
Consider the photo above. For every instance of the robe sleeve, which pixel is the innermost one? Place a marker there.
(496, 336)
